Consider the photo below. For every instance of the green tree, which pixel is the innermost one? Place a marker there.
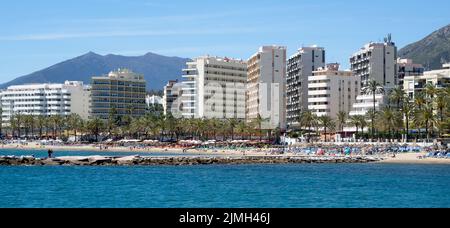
(74, 124)
(389, 120)
(372, 115)
(95, 126)
(407, 109)
(425, 118)
(40, 124)
(307, 119)
(342, 118)
(397, 95)
(327, 123)
(373, 88)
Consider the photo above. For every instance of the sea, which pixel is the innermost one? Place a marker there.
(223, 186)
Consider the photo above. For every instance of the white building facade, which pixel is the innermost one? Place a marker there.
(266, 87)
(332, 91)
(214, 87)
(299, 67)
(375, 62)
(46, 100)
(439, 78)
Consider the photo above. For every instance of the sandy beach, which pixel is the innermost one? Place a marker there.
(404, 158)
(131, 150)
(413, 158)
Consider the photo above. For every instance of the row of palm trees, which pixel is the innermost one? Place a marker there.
(427, 112)
(153, 125)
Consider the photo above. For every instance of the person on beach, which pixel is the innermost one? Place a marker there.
(50, 153)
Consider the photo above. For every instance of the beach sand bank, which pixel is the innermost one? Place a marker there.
(414, 158)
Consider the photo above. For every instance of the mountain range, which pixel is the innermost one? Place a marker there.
(157, 69)
(432, 51)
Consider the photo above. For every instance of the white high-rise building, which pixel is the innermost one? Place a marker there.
(214, 87)
(299, 67)
(121, 91)
(375, 62)
(332, 91)
(266, 87)
(46, 100)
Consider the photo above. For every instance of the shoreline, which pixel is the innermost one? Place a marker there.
(401, 158)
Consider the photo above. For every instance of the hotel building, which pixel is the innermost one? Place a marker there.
(378, 62)
(439, 78)
(214, 87)
(266, 87)
(46, 100)
(121, 90)
(332, 91)
(299, 67)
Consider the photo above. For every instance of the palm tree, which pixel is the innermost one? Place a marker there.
(327, 123)
(373, 88)
(342, 118)
(242, 128)
(16, 124)
(232, 123)
(389, 119)
(407, 109)
(441, 101)
(307, 119)
(362, 123)
(258, 123)
(40, 124)
(58, 125)
(430, 91)
(354, 121)
(425, 118)
(95, 127)
(419, 100)
(397, 95)
(74, 123)
(28, 124)
(372, 115)
(113, 120)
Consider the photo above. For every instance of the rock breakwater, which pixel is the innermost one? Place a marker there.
(175, 161)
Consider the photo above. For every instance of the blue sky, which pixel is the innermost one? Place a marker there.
(37, 34)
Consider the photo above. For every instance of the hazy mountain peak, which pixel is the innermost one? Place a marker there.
(157, 70)
(432, 51)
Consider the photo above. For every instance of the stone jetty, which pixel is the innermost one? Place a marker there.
(175, 161)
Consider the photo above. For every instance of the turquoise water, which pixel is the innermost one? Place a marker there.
(267, 186)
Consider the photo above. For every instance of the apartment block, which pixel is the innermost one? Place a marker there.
(299, 67)
(123, 91)
(214, 87)
(266, 87)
